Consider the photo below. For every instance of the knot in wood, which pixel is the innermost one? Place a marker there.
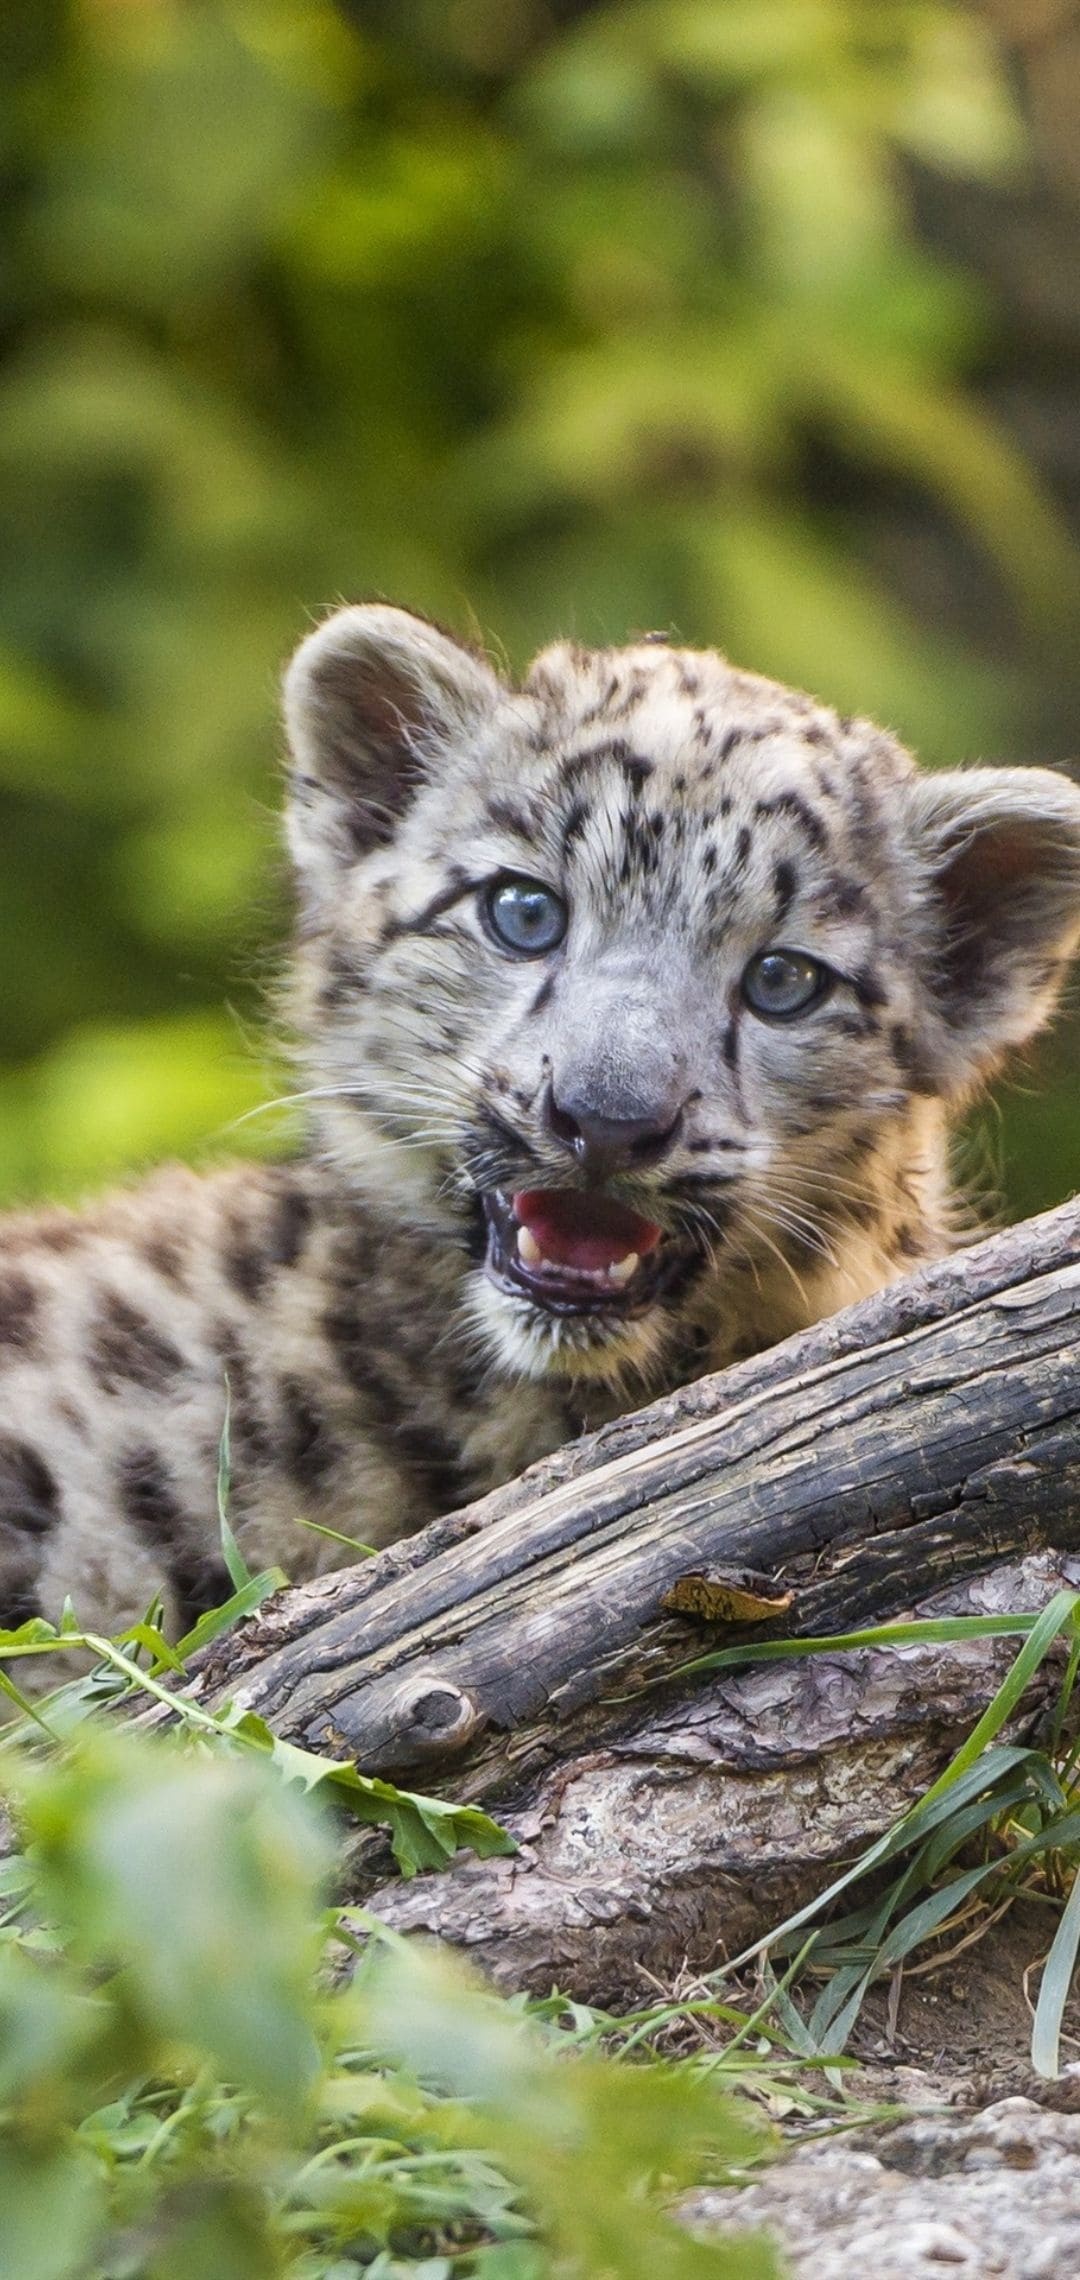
(434, 1715)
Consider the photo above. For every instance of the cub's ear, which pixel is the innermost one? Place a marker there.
(998, 854)
(372, 699)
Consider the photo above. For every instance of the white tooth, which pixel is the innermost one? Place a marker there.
(624, 1268)
(528, 1247)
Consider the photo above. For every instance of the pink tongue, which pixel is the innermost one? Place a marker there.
(583, 1231)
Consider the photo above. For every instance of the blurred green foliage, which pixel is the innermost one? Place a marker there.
(186, 2096)
(540, 317)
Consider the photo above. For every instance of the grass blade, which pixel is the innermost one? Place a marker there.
(239, 1571)
(1054, 1992)
(927, 1631)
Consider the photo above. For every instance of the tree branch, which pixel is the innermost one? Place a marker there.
(509, 1654)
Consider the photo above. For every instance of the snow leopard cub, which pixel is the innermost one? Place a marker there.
(632, 1004)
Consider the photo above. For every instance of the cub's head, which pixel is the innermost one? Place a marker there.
(647, 976)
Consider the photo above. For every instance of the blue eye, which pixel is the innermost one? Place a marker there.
(524, 915)
(778, 984)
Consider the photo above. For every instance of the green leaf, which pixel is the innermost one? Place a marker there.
(52, 2206)
(931, 1630)
(425, 1832)
(599, 2147)
(47, 2026)
(240, 1603)
(225, 1857)
(1057, 1616)
(1055, 1989)
(225, 2236)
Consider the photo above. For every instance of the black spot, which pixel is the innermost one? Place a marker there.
(544, 994)
(125, 1348)
(864, 821)
(728, 742)
(708, 861)
(19, 1303)
(310, 1450)
(148, 1498)
(862, 1211)
(642, 838)
(419, 1444)
(250, 1438)
(29, 1495)
(630, 699)
(785, 884)
(868, 988)
(200, 1581)
(910, 1242)
(476, 1235)
(730, 1044)
(635, 766)
(800, 811)
(350, 1337)
(291, 1224)
(637, 771)
(743, 844)
(841, 897)
(577, 816)
(243, 1259)
(902, 1044)
(59, 1235)
(506, 815)
(602, 705)
(165, 1255)
(689, 681)
(855, 1024)
(344, 980)
(19, 1603)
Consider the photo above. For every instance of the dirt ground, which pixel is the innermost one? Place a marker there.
(978, 2177)
(965, 2027)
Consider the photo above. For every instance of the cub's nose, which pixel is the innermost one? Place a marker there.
(602, 1144)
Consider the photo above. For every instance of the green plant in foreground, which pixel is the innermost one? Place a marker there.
(190, 2085)
(1018, 1806)
(183, 2093)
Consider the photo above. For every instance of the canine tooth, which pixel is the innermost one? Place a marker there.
(528, 1248)
(624, 1268)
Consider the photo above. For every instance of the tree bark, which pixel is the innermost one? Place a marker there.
(918, 1451)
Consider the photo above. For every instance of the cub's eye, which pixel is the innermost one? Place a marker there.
(781, 983)
(524, 915)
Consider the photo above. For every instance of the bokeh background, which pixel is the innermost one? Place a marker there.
(757, 320)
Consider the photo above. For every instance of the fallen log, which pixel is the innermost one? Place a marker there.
(920, 1451)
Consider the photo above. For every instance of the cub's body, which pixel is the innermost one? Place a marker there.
(631, 1009)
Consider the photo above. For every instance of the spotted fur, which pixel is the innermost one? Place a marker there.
(688, 817)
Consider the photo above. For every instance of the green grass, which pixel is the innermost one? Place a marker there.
(205, 2068)
(193, 2084)
(1002, 1819)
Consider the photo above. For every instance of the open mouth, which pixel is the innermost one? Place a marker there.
(575, 1252)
